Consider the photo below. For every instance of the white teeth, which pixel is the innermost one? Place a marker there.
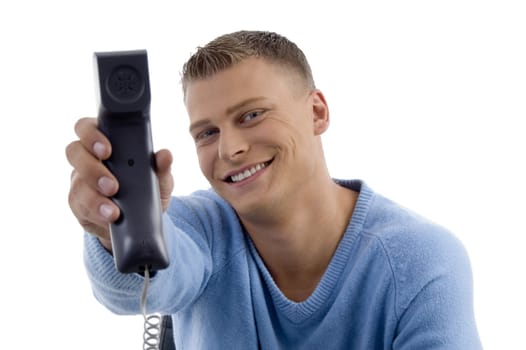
(247, 173)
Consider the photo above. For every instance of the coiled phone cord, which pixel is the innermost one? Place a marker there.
(152, 323)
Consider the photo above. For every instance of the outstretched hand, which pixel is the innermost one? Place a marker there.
(92, 183)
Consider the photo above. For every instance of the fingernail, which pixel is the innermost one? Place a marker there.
(99, 149)
(106, 185)
(106, 210)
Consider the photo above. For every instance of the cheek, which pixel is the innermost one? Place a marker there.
(291, 136)
(206, 162)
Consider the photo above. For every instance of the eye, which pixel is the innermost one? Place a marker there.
(247, 117)
(205, 135)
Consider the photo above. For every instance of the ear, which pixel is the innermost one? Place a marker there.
(320, 112)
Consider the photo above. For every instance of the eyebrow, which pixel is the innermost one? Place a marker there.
(243, 103)
(198, 124)
(229, 110)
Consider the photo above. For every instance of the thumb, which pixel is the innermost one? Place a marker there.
(163, 160)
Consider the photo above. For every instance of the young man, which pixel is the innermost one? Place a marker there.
(278, 255)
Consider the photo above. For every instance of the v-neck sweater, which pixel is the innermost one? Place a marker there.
(396, 281)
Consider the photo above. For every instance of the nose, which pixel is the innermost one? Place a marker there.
(232, 145)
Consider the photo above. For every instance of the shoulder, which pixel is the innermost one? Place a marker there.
(419, 251)
(208, 219)
(433, 281)
(402, 230)
(399, 228)
(198, 199)
(406, 234)
(203, 206)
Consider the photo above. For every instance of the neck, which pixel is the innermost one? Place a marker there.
(298, 245)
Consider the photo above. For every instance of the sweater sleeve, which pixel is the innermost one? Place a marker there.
(170, 289)
(434, 294)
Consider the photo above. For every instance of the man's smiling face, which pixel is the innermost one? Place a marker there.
(255, 133)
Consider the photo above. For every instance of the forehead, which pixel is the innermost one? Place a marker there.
(252, 77)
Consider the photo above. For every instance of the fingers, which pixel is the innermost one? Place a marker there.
(93, 210)
(163, 159)
(91, 169)
(85, 155)
(92, 139)
(91, 182)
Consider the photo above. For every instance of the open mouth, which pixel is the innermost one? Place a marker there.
(247, 172)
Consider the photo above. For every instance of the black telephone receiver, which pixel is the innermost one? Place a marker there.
(123, 97)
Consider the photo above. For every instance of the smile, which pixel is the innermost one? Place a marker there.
(247, 173)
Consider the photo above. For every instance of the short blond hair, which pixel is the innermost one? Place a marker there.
(229, 49)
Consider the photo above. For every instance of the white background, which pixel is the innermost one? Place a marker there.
(426, 100)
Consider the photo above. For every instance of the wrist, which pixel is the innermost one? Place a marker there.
(106, 243)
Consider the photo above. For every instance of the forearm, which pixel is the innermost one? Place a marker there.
(170, 289)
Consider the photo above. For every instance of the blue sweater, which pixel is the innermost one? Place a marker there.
(396, 281)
